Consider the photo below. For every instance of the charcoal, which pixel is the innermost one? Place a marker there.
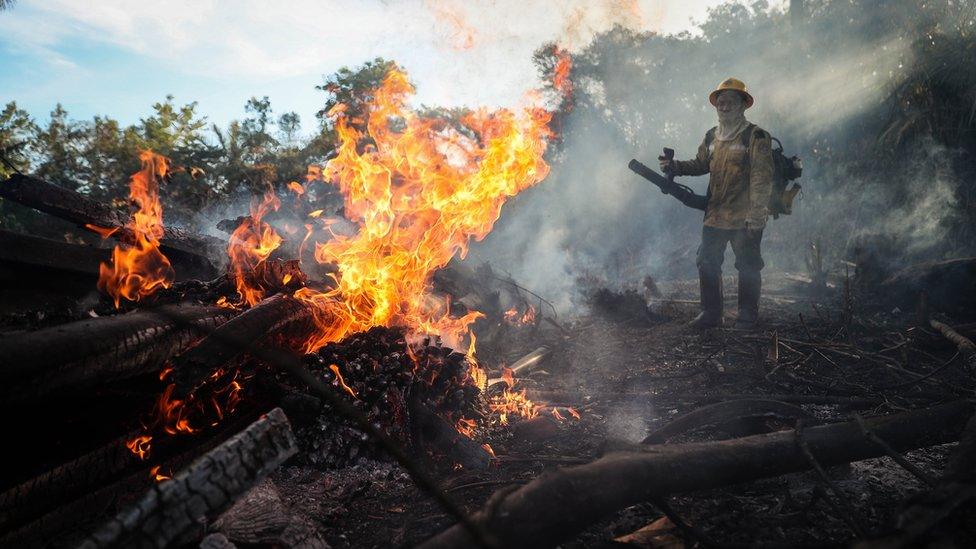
(375, 365)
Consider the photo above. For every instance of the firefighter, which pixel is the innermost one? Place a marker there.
(738, 158)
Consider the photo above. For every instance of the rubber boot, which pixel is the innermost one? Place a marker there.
(711, 301)
(750, 286)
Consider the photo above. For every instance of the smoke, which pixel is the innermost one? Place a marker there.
(822, 87)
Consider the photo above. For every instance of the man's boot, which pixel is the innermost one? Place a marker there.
(750, 285)
(711, 301)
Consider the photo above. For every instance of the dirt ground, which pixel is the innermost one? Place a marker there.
(628, 371)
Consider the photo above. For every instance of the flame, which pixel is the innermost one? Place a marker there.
(139, 268)
(103, 232)
(420, 191)
(513, 403)
(561, 80)
(488, 449)
(342, 382)
(250, 245)
(513, 317)
(140, 446)
(315, 213)
(466, 427)
(156, 475)
(508, 376)
(296, 187)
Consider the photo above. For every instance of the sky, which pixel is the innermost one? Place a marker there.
(117, 57)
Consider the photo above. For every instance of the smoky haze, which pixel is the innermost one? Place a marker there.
(829, 82)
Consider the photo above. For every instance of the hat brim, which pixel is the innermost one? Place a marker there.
(713, 97)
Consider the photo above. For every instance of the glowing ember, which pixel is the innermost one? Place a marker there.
(139, 268)
(250, 245)
(419, 191)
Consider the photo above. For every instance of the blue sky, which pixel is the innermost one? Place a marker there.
(118, 57)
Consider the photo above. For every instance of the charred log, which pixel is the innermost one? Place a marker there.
(171, 511)
(555, 506)
(63, 483)
(442, 436)
(82, 210)
(31, 251)
(63, 520)
(98, 350)
(724, 412)
(229, 341)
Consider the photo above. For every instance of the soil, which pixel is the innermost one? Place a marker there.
(628, 374)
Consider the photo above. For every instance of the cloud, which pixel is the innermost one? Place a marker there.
(458, 52)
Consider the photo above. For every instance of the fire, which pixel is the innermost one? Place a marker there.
(103, 232)
(513, 317)
(513, 403)
(419, 190)
(250, 245)
(156, 475)
(296, 187)
(466, 427)
(561, 81)
(342, 382)
(139, 268)
(139, 446)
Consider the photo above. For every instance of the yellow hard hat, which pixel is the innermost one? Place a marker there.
(732, 84)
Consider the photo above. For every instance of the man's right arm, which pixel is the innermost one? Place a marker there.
(695, 166)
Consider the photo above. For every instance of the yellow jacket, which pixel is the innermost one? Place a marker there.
(740, 180)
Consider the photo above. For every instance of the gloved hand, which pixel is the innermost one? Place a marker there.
(666, 165)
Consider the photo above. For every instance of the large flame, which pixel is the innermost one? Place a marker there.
(138, 269)
(420, 189)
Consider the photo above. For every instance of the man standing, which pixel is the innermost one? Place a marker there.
(738, 157)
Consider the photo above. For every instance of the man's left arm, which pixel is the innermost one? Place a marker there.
(760, 179)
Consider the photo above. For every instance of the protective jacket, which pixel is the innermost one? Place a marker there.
(740, 177)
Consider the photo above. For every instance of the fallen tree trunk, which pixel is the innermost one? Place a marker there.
(171, 512)
(270, 317)
(966, 347)
(557, 505)
(82, 210)
(723, 412)
(97, 350)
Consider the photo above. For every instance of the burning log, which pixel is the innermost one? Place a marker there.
(557, 505)
(170, 512)
(230, 340)
(444, 436)
(82, 210)
(83, 353)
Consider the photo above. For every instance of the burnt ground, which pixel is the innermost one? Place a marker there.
(629, 371)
